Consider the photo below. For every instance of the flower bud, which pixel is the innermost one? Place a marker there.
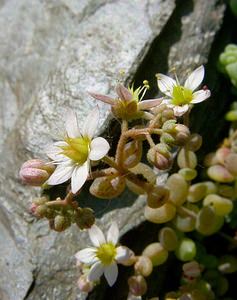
(181, 135)
(160, 156)
(108, 187)
(137, 285)
(195, 142)
(35, 172)
(157, 196)
(210, 159)
(167, 138)
(221, 154)
(143, 266)
(61, 223)
(192, 269)
(157, 253)
(132, 154)
(85, 218)
(231, 163)
(84, 284)
(220, 174)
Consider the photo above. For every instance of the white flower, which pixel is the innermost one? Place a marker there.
(104, 256)
(180, 97)
(73, 155)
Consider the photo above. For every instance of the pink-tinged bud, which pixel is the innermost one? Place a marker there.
(195, 142)
(192, 269)
(221, 154)
(160, 157)
(231, 163)
(35, 172)
(220, 174)
(84, 284)
(137, 285)
(33, 207)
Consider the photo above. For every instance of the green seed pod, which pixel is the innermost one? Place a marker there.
(207, 221)
(143, 266)
(187, 159)
(61, 223)
(186, 250)
(227, 264)
(231, 163)
(160, 215)
(220, 174)
(196, 192)
(168, 238)
(188, 174)
(222, 286)
(132, 154)
(226, 191)
(41, 210)
(157, 196)
(85, 218)
(184, 224)
(108, 187)
(137, 285)
(41, 200)
(221, 206)
(157, 253)
(195, 142)
(178, 189)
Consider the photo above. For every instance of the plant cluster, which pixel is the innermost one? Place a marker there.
(181, 204)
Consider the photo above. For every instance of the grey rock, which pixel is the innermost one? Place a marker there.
(53, 53)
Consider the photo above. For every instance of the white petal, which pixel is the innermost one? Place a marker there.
(180, 110)
(99, 148)
(71, 124)
(53, 151)
(146, 104)
(200, 96)
(111, 273)
(123, 254)
(91, 123)
(61, 174)
(165, 84)
(195, 78)
(96, 271)
(113, 233)
(103, 98)
(79, 177)
(87, 256)
(96, 235)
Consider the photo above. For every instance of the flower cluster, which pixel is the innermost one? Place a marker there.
(178, 204)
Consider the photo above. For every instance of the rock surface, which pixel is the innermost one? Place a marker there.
(53, 53)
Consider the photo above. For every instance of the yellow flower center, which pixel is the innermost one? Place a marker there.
(181, 95)
(106, 253)
(77, 149)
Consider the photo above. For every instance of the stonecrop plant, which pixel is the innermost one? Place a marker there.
(181, 204)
